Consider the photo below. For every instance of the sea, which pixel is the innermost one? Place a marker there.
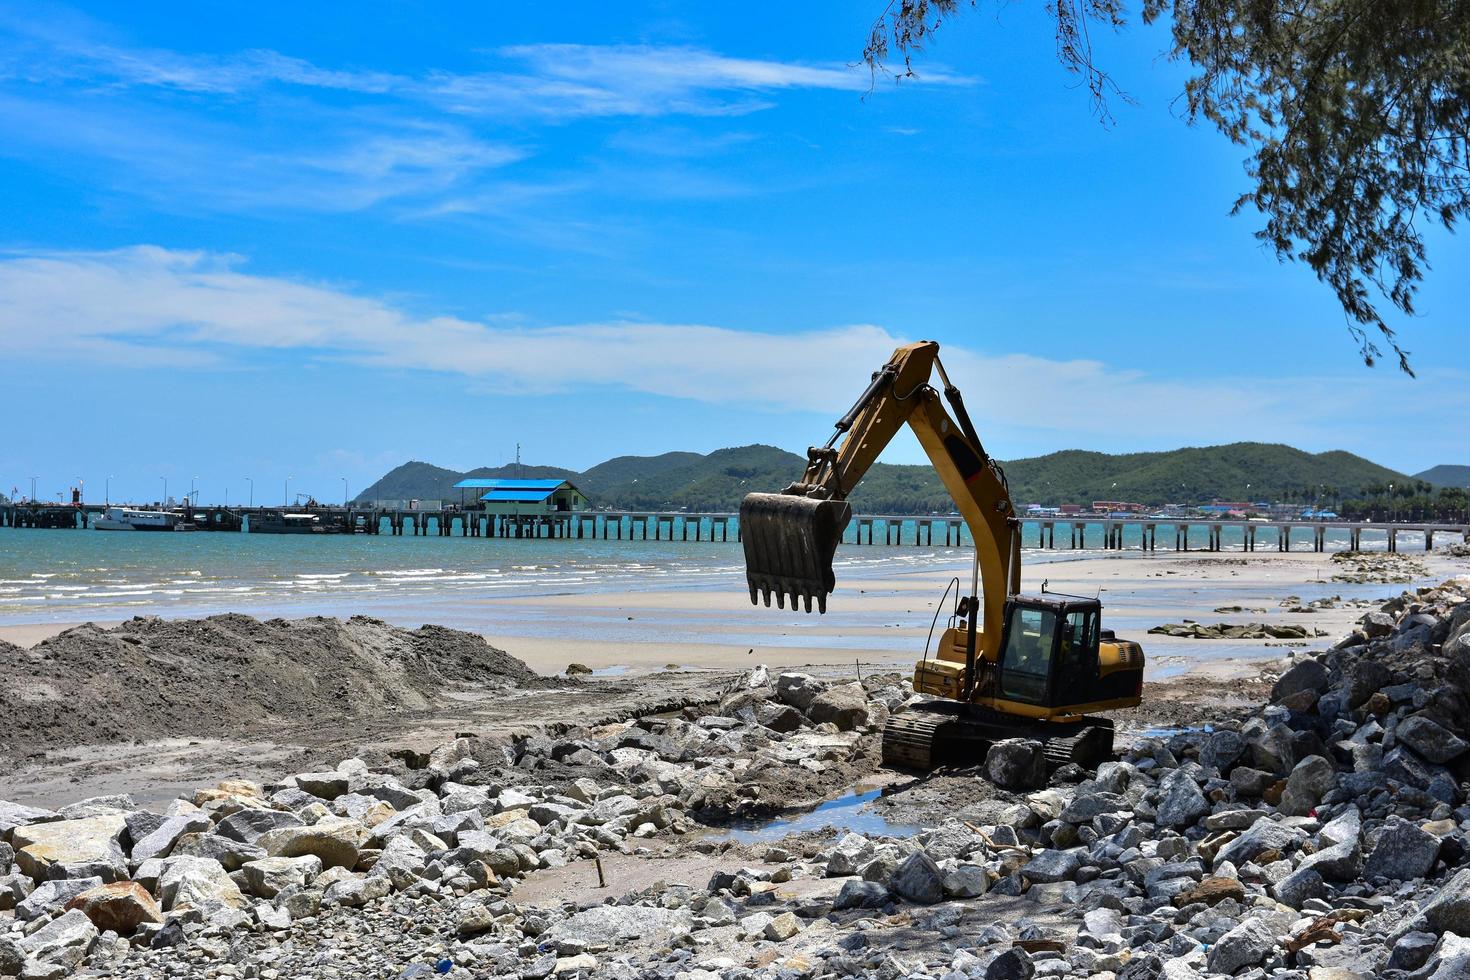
(66, 576)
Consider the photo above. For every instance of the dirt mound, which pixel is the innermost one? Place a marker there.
(151, 678)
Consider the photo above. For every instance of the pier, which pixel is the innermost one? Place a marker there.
(894, 530)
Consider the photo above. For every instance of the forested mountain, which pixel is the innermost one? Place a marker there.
(717, 481)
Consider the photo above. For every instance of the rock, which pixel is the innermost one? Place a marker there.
(1310, 780)
(1180, 801)
(1016, 763)
(50, 896)
(919, 879)
(1051, 866)
(1412, 951)
(333, 839)
(119, 907)
(270, 876)
(1245, 945)
(1222, 751)
(1340, 862)
(1250, 783)
(1298, 887)
(12, 958)
(1085, 806)
(859, 894)
(1013, 964)
(232, 854)
(97, 806)
(161, 840)
(798, 690)
(1447, 910)
(577, 670)
(1210, 891)
(845, 706)
(582, 963)
(1377, 625)
(1405, 765)
(325, 785)
(1451, 960)
(966, 881)
(195, 881)
(14, 815)
(611, 925)
(63, 941)
(850, 853)
(1402, 852)
(1307, 674)
(73, 848)
(1430, 740)
(1270, 746)
(356, 892)
(782, 927)
(247, 826)
(1263, 835)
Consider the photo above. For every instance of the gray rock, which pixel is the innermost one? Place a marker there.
(1249, 783)
(1013, 964)
(1222, 751)
(323, 785)
(161, 841)
(61, 942)
(247, 826)
(1310, 780)
(1402, 852)
(1412, 951)
(195, 881)
(1405, 765)
(859, 894)
(12, 957)
(1447, 910)
(1430, 740)
(1340, 862)
(1264, 835)
(1346, 826)
(966, 881)
(141, 823)
(611, 925)
(14, 815)
(845, 706)
(1299, 886)
(1016, 763)
(231, 854)
(1270, 745)
(919, 880)
(1180, 801)
(52, 895)
(798, 690)
(1050, 866)
(1307, 674)
(1451, 960)
(1085, 806)
(1246, 945)
(97, 806)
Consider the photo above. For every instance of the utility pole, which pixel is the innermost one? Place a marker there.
(344, 491)
(286, 499)
(164, 502)
(107, 491)
(252, 490)
(33, 486)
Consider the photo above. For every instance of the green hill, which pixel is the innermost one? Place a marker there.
(717, 481)
(1446, 475)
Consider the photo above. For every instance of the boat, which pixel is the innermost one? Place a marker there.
(135, 519)
(285, 522)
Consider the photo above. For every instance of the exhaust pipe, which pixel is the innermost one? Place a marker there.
(789, 543)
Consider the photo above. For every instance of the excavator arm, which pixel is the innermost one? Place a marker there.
(791, 537)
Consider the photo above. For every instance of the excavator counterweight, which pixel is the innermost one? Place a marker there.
(789, 544)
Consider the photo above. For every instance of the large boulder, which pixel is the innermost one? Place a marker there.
(919, 879)
(63, 942)
(798, 690)
(1402, 852)
(1430, 739)
(1246, 945)
(1340, 862)
(1310, 780)
(1307, 674)
(1447, 910)
(1263, 835)
(1052, 866)
(1271, 747)
(333, 839)
(270, 876)
(247, 826)
(845, 706)
(615, 925)
(50, 896)
(160, 841)
(1180, 801)
(72, 848)
(119, 907)
(14, 815)
(1016, 763)
(195, 881)
(859, 894)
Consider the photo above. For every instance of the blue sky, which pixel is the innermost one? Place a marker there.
(314, 241)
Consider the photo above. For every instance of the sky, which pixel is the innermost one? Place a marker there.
(284, 246)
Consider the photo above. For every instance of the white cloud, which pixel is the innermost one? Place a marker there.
(128, 305)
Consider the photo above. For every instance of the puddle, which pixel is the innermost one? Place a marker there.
(849, 812)
(615, 670)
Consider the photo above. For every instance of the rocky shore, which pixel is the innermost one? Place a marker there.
(1320, 836)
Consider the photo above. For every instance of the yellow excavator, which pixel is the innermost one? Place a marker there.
(1008, 665)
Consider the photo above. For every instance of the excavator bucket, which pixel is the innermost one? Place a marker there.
(789, 544)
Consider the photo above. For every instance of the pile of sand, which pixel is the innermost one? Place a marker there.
(151, 678)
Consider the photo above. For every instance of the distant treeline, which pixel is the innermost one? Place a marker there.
(1246, 471)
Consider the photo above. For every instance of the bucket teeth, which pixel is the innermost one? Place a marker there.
(789, 543)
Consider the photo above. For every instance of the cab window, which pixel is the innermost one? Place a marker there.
(1076, 658)
(1027, 659)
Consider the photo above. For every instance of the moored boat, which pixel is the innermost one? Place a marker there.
(136, 519)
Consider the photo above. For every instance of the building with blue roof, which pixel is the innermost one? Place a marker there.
(499, 495)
